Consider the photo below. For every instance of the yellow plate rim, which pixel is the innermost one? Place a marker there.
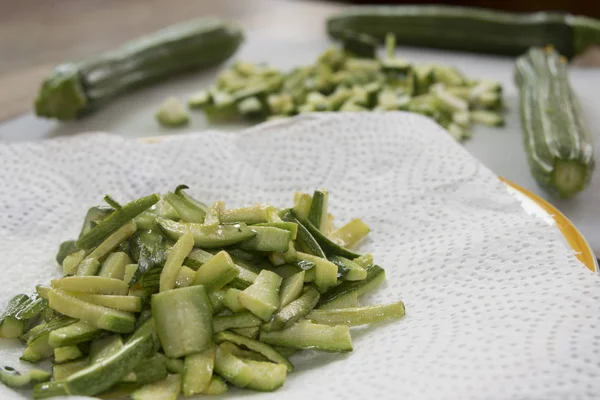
(575, 239)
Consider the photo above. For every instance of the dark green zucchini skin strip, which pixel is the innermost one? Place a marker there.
(559, 147)
(327, 245)
(469, 29)
(373, 271)
(115, 220)
(72, 90)
(305, 238)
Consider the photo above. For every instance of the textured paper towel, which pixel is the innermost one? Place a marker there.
(497, 307)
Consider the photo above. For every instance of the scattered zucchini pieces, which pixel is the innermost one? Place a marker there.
(166, 295)
(351, 79)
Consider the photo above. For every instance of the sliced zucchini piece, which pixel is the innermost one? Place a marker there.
(216, 272)
(98, 316)
(294, 311)
(262, 297)
(359, 315)
(183, 320)
(197, 371)
(241, 320)
(167, 389)
(306, 335)
(172, 113)
(350, 234)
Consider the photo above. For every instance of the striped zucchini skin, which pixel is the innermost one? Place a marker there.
(559, 147)
(74, 89)
(469, 29)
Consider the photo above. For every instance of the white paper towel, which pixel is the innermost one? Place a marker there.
(497, 307)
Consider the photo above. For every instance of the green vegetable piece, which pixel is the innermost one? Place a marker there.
(43, 291)
(350, 234)
(288, 226)
(13, 378)
(100, 376)
(78, 332)
(49, 389)
(178, 253)
(185, 277)
(71, 261)
(375, 275)
(351, 270)
(91, 285)
(325, 243)
(175, 365)
(179, 191)
(66, 353)
(359, 315)
(262, 297)
(150, 370)
(217, 272)
(88, 267)
(365, 260)
(232, 368)
(213, 214)
(216, 387)
(231, 300)
(114, 265)
(302, 204)
(251, 332)
(251, 108)
(266, 376)
(166, 389)
(113, 241)
(115, 221)
(65, 249)
(11, 326)
(172, 113)
(197, 373)
(489, 118)
(217, 299)
(348, 300)
(317, 214)
(183, 320)
(98, 316)
(188, 211)
(199, 100)
(130, 271)
(262, 348)
(121, 303)
(325, 271)
(268, 238)
(305, 240)
(241, 320)
(249, 215)
(294, 311)
(207, 236)
(291, 288)
(306, 335)
(104, 347)
(62, 371)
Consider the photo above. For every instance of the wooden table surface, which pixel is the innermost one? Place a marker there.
(36, 35)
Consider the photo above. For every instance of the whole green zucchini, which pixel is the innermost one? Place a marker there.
(469, 29)
(560, 149)
(72, 90)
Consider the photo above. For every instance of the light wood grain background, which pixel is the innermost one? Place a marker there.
(35, 35)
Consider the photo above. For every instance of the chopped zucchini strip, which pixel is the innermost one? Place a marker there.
(357, 316)
(306, 335)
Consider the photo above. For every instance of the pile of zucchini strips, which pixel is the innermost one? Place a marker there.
(348, 79)
(166, 295)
